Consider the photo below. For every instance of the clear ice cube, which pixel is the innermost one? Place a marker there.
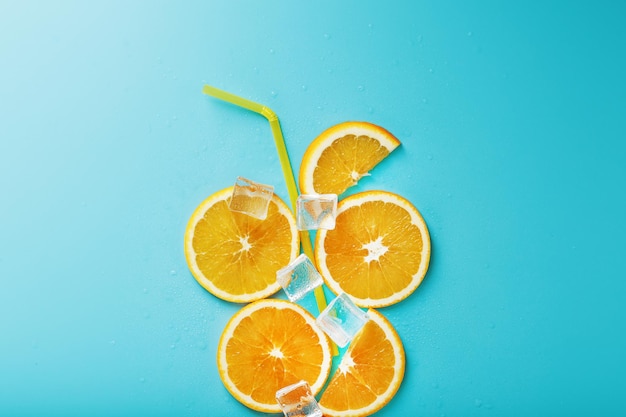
(299, 277)
(251, 198)
(316, 211)
(297, 400)
(341, 320)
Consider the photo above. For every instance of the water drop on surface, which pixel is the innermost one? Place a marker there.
(469, 33)
(360, 88)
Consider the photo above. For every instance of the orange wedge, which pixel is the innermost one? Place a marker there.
(369, 374)
(341, 155)
(234, 256)
(268, 345)
(379, 250)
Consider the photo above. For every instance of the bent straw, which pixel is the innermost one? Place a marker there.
(283, 157)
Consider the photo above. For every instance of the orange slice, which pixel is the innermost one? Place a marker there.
(379, 250)
(341, 155)
(268, 345)
(234, 256)
(370, 371)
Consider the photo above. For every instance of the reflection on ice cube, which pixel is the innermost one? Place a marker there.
(316, 211)
(251, 198)
(299, 277)
(298, 400)
(341, 320)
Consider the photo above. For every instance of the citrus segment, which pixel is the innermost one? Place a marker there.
(268, 345)
(370, 372)
(234, 256)
(379, 250)
(341, 155)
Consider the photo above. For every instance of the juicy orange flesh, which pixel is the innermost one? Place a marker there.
(347, 253)
(238, 253)
(369, 376)
(346, 156)
(270, 349)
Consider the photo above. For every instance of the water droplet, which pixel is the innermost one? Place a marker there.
(112, 342)
(478, 403)
(274, 93)
(271, 50)
(360, 88)
(327, 36)
(145, 291)
(142, 380)
(430, 157)
(424, 100)
(469, 33)
(304, 88)
(173, 272)
(430, 70)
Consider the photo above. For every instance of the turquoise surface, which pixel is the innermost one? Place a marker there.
(513, 125)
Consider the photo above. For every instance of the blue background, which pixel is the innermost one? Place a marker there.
(512, 122)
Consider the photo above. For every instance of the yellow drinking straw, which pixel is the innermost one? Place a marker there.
(292, 189)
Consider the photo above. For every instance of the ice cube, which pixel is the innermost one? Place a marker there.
(316, 211)
(299, 277)
(341, 320)
(297, 400)
(251, 198)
